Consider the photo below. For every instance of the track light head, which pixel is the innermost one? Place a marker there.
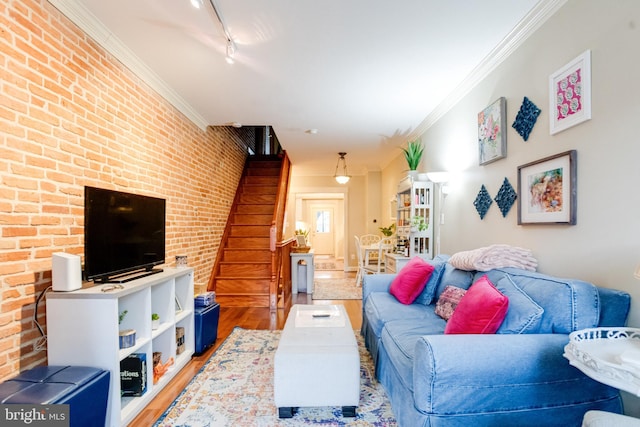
(231, 51)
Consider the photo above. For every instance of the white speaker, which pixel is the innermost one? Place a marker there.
(66, 272)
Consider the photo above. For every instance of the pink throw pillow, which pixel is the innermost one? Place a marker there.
(411, 280)
(480, 311)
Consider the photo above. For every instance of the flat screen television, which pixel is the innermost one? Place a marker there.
(123, 234)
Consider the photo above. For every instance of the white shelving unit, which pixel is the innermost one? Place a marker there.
(415, 200)
(83, 329)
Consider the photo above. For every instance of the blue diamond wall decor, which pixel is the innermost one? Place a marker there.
(526, 118)
(482, 202)
(506, 197)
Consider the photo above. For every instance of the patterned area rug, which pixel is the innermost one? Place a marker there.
(336, 289)
(235, 388)
(325, 266)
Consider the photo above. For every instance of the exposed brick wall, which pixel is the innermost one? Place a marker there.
(70, 116)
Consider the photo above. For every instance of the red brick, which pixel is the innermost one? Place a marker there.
(53, 209)
(61, 131)
(19, 231)
(11, 268)
(34, 243)
(45, 220)
(14, 220)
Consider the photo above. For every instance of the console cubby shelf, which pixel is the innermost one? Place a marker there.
(414, 200)
(83, 329)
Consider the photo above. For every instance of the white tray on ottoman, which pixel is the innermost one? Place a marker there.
(317, 361)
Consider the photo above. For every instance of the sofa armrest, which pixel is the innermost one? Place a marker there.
(376, 283)
(474, 374)
(614, 307)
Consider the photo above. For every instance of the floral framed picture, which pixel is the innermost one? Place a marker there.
(547, 190)
(492, 134)
(570, 94)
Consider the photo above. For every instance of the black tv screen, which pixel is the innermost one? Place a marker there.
(123, 233)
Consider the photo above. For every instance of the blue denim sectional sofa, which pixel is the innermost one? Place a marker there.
(516, 377)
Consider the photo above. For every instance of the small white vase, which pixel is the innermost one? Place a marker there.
(155, 324)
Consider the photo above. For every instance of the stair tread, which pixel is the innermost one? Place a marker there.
(240, 293)
(247, 249)
(245, 262)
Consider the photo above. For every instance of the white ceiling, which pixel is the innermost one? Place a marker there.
(367, 74)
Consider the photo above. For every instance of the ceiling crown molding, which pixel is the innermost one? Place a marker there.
(83, 18)
(529, 24)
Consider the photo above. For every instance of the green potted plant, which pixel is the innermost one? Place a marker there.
(388, 231)
(126, 337)
(418, 223)
(155, 321)
(413, 154)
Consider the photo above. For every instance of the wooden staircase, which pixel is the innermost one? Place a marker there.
(243, 269)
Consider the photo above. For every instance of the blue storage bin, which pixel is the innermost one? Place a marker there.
(84, 389)
(206, 325)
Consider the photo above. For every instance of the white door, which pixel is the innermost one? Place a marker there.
(322, 230)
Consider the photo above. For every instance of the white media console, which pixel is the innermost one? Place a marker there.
(83, 329)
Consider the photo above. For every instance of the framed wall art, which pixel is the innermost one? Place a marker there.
(301, 240)
(492, 133)
(570, 94)
(547, 190)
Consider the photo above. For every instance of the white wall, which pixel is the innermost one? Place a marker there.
(604, 246)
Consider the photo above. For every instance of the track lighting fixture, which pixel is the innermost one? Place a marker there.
(231, 51)
(231, 45)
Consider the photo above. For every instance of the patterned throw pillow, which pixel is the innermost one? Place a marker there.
(448, 301)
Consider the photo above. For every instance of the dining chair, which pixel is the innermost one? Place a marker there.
(366, 241)
(361, 267)
(384, 246)
(369, 239)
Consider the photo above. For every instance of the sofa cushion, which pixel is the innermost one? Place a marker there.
(481, 310)
(399, 339)
(411, 280)
(448, 301)
(569, 305)
(524, 315)
(451, 276)
(427, 296)
(382, 307)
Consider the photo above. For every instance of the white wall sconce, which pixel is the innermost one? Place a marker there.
(438, 177)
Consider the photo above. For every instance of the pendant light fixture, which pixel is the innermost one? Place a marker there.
(341, 175)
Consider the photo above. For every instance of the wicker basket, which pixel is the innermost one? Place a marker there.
(300, 249)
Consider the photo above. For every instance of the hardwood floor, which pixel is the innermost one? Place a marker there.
(247, 318)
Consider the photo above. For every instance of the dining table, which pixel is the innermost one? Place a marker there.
(374, 248)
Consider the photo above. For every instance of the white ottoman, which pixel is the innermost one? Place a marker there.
(317, 361)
